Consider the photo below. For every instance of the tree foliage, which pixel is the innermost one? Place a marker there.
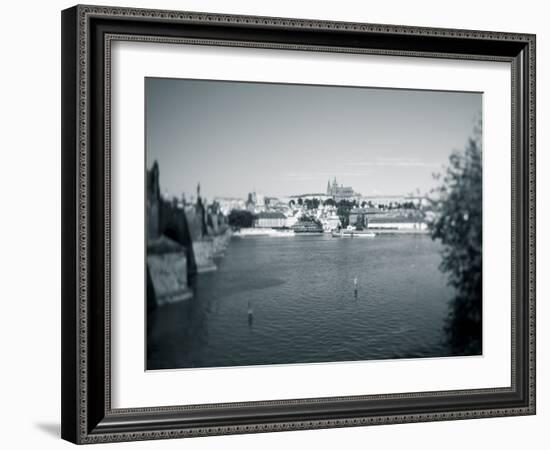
(457, 205)
(240, 219)
(312, 203)
(343, 210)
(307, 218)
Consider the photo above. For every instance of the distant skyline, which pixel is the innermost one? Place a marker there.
(283, 139)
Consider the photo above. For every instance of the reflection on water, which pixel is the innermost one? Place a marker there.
(308, 299)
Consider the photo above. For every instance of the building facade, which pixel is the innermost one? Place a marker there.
(397, 223)
(270, 220)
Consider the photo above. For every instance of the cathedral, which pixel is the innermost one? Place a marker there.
(340, 192)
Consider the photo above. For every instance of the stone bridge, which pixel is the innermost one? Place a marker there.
(183, 241)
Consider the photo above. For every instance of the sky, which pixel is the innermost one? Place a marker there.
(287, 139)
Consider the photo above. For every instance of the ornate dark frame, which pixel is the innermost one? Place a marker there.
(87, 33)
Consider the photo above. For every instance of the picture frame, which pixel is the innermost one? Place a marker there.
(88, 33)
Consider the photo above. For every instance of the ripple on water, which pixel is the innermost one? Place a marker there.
(304, 304)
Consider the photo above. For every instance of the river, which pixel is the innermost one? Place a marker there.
(305, 309)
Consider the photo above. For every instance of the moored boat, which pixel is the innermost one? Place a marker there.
(307, 228)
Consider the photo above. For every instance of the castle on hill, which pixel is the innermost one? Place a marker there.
(341, 192)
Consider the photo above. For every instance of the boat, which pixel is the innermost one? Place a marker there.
(307, 227)
(353, 233)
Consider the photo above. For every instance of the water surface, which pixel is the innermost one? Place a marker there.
(305, 309)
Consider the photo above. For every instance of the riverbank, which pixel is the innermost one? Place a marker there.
(273, 232)
(399, 231)
(208, 248)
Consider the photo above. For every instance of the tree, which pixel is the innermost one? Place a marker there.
(361, 222)
(457, 224)
(305, 218)
(291, 203)
(300, 201)
(240, 218)
(343, 210)
(312, 203)
(329, 202)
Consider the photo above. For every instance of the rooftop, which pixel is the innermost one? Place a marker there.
(365, 211)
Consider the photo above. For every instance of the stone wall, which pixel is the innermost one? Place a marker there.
(153, 203)
(194, 221)
(183, 240)
(174, 224)
(166, 272)
(221, 242)
(204, 255)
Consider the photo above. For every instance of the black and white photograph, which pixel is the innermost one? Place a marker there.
(295, 224)
(275, 225)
